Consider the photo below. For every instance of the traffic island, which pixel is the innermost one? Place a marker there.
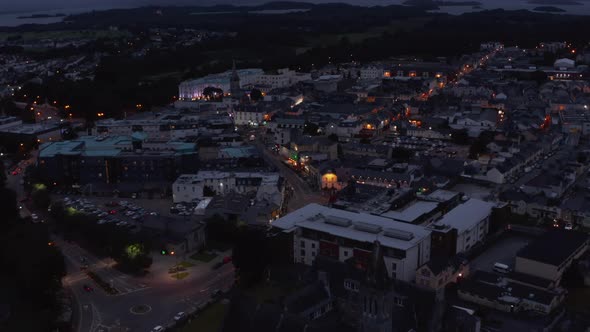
(180, 275)
(140, 309)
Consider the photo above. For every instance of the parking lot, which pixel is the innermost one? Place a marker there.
(504, 251)
(121, 213)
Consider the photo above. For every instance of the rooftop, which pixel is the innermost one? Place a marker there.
(356, 226)
(554, 247)
(412, 212)
(266, 177)
(466, 215)
(441, 195)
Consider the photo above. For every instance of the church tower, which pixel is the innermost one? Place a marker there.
(234, 82)
(376, 298)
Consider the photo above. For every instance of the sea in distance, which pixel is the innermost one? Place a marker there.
(14, 16)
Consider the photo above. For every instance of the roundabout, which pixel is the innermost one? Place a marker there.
(140, 309)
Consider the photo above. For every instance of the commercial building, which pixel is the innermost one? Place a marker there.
(193, 187)
(180, 235)
(497, 292)
(14, 129)
(163, 127)
(550, 255)
(113, 160)
(322, 231)
(418, 212)
(462, 227)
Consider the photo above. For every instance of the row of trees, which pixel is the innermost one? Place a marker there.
(31, 270)
(255, 253)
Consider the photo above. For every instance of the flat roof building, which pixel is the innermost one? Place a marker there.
(462, 227)
(191, 187)
(550, 255)
(320, 230)
(418, 212)
(113, 160)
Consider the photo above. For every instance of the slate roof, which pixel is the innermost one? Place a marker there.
(306, 298)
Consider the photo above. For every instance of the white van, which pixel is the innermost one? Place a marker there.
(501, 268)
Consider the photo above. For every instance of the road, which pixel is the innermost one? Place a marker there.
(302, 193)
(162, 296)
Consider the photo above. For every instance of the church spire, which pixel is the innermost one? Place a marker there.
(234, 82)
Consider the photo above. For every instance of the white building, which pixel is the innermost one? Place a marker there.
(249, 116)
(191, 187)
(249, 78)
(372, 72)
(193, 89)
(320, 230)
(470, 219)
(282, 78)
(344, 129)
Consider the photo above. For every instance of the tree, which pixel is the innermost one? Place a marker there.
(460, 136)
(40, 197)
(9, 107)
(33, 269)
(213, 93)
(222, 229)
(208, 191)
(134, 259)
(256, 95)
(311, 128)
(251, 256)
(2, 174)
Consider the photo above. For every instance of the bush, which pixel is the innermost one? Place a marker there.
(103, 284)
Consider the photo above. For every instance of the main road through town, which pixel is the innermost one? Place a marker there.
(302, 193)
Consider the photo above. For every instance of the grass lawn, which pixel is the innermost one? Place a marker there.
(203, 257)
(265, 292)
(179, 276)
(186, 264)
(207, 321)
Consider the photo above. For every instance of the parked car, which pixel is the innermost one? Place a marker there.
(88, 288)
(216, 293)
(158, 329)
(180, 316)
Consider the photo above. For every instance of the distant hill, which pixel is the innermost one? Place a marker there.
(556, 2)
(435, 3)
(549, 9)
